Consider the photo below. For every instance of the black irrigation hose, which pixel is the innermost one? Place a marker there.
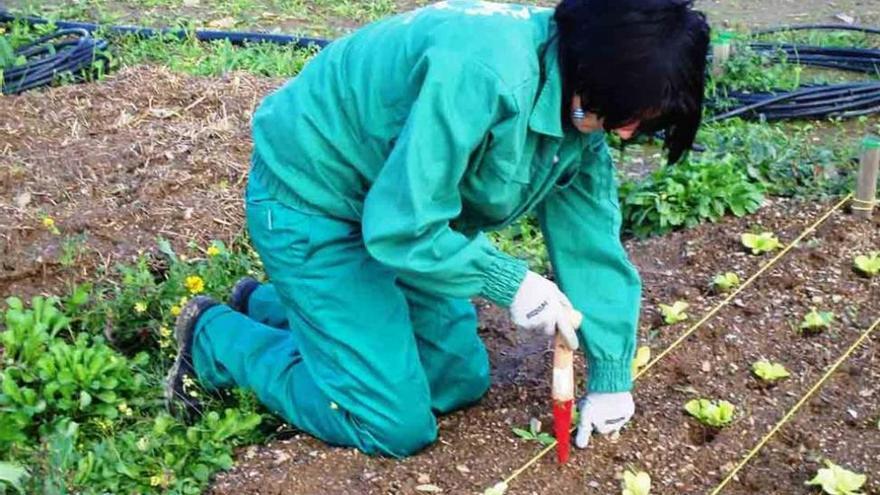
(236, 38)
(68, 51)
(818, 27)
(809, 102)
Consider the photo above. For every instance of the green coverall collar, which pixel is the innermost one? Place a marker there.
(546, 117)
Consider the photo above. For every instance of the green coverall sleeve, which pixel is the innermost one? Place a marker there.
(581, 225)
(408, 209)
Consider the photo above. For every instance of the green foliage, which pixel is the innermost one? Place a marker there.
(87, 418)
(868, 264)
(712, 413)
(765, 242)
(749, 70)
(698, 190)
(636, 483)
(769, 372)
(816, 321)
(195, 57)
(787, 159)
(675, 313)
(836, 480)
(523, 240)
(534, 433)
(725, 281)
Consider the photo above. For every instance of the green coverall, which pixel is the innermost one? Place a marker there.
(375, 173)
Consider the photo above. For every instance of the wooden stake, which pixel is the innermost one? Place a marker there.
(866, 188)
(720, 56)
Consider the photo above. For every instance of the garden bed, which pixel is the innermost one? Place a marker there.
(477, 447)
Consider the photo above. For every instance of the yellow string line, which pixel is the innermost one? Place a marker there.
(742, 287)
(796, 407)
(692, 329)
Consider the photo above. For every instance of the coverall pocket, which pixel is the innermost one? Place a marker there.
(279, 232)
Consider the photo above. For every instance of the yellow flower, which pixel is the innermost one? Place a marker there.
(140, 307)
(165, 331)
(48, 222)
(164, 343)
(194, 284)
(213, 250)
(143, 444)
(183, 301)
(175, 310)
(124, 409)
(157, 480)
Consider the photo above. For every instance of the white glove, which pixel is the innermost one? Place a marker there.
(540, 305)
(604, 413)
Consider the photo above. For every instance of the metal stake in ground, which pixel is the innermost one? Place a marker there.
(866, 189)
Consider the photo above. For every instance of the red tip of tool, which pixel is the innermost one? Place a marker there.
(562, 429)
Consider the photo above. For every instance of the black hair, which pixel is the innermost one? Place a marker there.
(636, 60)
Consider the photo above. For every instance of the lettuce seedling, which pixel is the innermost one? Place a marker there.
(763, 243)
(499, 489)
(534, 433)
(815, 321)
(836, 480)
(725, 281)
(636, 483)
(869, 265)
(712, 413)
(675, 313)
(643, 357)
(769, 372)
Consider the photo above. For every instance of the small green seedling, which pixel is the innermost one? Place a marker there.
(765, 242)
(869, 265)
(769, 372)
(725, 281)
(675, 313)
(816, 321)
(499, 489)
(636, 483)
(534, 433)
(711, 413)
(836, 480)
(643, 357)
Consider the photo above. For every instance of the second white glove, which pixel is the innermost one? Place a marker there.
(604, 413)
(540, 305)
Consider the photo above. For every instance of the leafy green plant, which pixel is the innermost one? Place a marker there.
(868, 264)
(725, 281)
(523, 240)
(534, 433)
(816, 321)
(769, 372)
(86, 418)
(712, 413)
(765, 242)
(675, 313)
(836, 480)
(636, 483)
(699, 189)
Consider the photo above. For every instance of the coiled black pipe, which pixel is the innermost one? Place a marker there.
(70, 52)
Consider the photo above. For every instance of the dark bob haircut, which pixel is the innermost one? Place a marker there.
(636, 60)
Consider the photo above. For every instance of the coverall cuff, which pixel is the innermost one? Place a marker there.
(610, 376)
(503, 279)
